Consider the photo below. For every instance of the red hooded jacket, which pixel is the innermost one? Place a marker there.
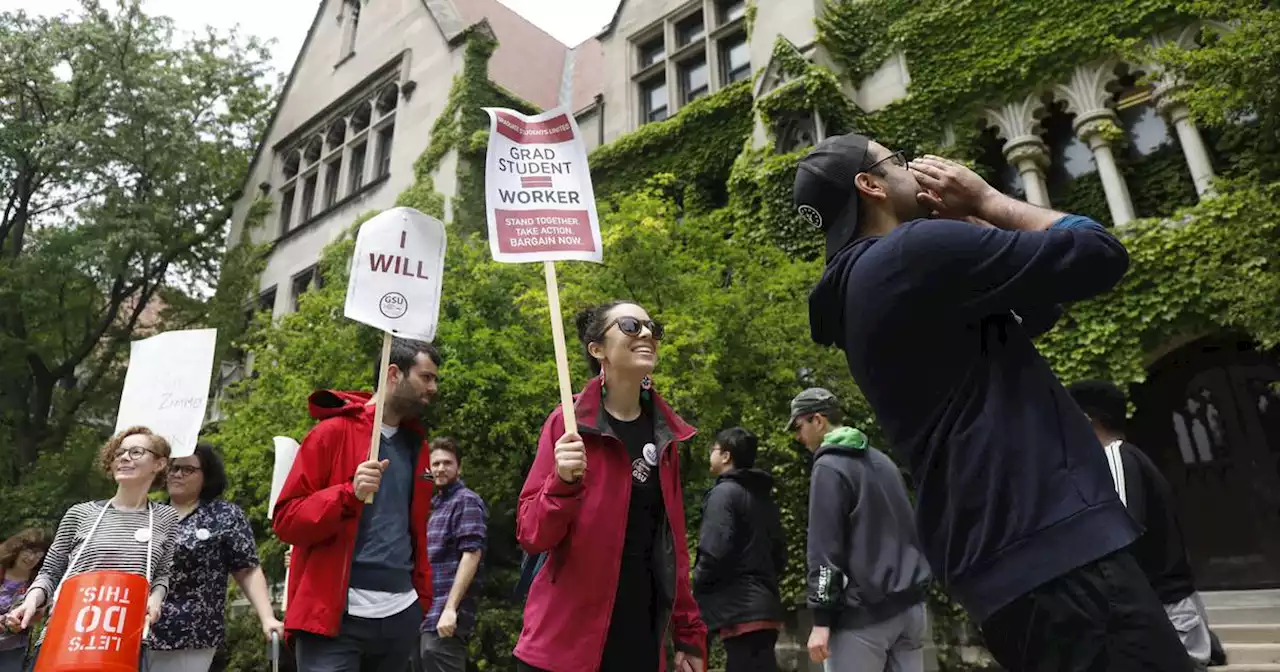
(581, 525)
(318, 512)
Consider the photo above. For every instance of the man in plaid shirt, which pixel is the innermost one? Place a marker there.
(455, 543)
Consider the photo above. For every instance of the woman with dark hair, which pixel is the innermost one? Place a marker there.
(214, 540)
(606, 506)
(127, 533)
(20, 558)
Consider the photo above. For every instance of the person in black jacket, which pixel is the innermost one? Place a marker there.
(741, 554)
(1160, 550)
(867, 573)
(934, 287)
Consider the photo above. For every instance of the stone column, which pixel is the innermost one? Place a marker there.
(1193, 147)
(1087, 97)
(1179, 115)
(1017, 124)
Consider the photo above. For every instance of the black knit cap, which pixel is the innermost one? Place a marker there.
(825, 193)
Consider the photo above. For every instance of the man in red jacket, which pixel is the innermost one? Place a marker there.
(360, 580)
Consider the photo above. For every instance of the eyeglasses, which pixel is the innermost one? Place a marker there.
(135, 453)
(898, 158)
(632, 326)
(183, 470)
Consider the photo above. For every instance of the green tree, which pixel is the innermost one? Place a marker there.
(122, 151)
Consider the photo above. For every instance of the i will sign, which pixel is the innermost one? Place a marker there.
(396, 274)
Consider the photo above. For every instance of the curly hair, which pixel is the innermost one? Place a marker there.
(13, 546)
(159, 447)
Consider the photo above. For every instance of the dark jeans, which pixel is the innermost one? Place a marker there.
(751, 652)
(442, 654)
(1102, 617)
(11, 659)
(362, 645)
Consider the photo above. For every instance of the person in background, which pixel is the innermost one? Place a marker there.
(213, 540)
(867, 573)
(1160, 551)
(127, 533)
(741, 555)
(456, 538)
(935, 284)
(20, 558)
(607, 507)
(359, 579)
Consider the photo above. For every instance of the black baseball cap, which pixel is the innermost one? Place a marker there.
(824, 192)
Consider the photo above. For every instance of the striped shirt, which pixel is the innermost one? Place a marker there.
(119, 544)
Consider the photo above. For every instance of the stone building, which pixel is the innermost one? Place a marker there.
(373, 76)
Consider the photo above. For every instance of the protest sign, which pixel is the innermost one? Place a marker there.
(395, 285)
(538, 187)
(542, 207)
(286, 449)
(166, 387)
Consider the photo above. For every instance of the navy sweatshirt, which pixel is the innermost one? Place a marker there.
(936, 320)
(383, 557)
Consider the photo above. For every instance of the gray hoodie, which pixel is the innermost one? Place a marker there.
(865, 562)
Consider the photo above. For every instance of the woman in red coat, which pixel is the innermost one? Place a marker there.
(607, 507)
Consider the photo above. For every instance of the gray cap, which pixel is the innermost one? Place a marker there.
(812, 400)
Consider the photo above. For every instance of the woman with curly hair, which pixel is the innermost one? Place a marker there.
(127, 533)
(606, 506)
(20, 558)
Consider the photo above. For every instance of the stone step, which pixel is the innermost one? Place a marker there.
(1233, 667)
(1241, 598)
(1243, 615)
(1246, 633)
(1252, 654)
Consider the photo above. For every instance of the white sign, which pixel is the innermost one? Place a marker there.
(286, 451)
(538, 189)
(167, 386)
(396, 273)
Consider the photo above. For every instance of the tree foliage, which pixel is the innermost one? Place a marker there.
(122, 148)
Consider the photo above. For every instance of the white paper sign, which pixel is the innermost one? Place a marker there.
(167, 386)
(396, 274)
(286, 451)
(538, 189)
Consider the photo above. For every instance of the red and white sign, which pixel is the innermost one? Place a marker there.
(538, 189)
(396, 274)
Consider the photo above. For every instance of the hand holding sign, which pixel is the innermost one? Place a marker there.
(395, 286)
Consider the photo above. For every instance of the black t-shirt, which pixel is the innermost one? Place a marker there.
(632, 644)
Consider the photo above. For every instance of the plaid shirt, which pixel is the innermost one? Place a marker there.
(457, 526)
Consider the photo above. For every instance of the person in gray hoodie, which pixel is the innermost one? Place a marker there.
(867, 574)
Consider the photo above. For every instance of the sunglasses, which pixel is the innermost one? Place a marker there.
(898, 158)
(183, 470)
(632, 326)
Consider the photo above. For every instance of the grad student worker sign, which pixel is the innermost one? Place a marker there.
(166, 387)
(538, 189)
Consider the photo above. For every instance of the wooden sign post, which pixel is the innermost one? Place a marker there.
(541, 207)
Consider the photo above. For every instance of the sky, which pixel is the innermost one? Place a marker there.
(286, 21)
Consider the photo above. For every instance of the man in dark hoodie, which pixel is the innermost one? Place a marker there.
(867, 574)
(1160, 551)
(360, 578)
(935, 284)
(741, 554)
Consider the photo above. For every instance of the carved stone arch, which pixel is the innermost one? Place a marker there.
(796, 130)
(313, 150)
(385, 102)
